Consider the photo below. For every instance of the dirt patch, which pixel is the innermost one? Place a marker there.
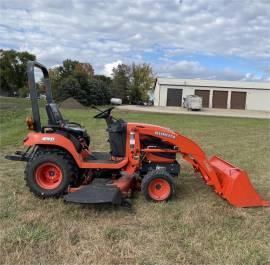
(71, 103)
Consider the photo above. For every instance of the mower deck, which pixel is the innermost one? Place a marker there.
(97, 192)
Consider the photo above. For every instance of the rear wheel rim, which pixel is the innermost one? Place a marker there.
(49, 176)
(159, 189)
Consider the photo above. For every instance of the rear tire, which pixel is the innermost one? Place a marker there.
(158, 185)
(50, 173)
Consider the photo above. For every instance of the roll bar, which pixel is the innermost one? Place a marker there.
(33, 91)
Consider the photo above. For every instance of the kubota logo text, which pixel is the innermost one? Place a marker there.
(48, 139)
(165, 134)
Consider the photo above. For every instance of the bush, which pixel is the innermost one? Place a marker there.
(23, 92)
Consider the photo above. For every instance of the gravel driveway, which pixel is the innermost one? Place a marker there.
(205, 111)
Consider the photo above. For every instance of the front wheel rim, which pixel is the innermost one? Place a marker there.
(159, 189)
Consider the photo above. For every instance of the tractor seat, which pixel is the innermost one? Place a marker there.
(54, 115)
(55, 118)
(71, 130)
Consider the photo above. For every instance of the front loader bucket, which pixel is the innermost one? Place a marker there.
(235, 185)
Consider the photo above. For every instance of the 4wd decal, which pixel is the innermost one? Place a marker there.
(165, 134)
(49, 139)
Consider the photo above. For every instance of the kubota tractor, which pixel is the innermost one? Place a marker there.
(60, 160)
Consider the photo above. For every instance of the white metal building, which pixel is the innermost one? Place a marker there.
(215, 94)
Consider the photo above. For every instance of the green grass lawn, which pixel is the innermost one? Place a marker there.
(197, 227)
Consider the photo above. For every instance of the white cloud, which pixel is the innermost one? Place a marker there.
(187, 69)
(193, 69)
(99, 31)
(109, 67)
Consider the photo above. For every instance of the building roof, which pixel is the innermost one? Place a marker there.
(212, 83)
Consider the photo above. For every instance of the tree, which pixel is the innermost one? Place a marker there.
(75, 67)
(84, 68)
(103, 92)
(55, 78)
(62, 77)
(103, 78)
(67, 68)
(86, 90)
(13, 69)
(141, 81)
(106, 86)
(69, 87)
(96, 92)
(132, 83)
(84, 94)
(121, 82)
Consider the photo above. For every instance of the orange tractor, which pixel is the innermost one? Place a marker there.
(142, 156)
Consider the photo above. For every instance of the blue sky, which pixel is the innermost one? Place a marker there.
(207, 39)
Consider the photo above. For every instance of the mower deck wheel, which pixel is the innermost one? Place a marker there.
(158, 185)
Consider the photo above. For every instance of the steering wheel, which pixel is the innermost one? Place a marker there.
(104, 114)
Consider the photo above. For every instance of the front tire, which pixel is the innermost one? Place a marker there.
(49, 174)
(158, 185)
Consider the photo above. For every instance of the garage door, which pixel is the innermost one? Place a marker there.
(174, 97)
(220, 99)
(204, 94)
(238, 100)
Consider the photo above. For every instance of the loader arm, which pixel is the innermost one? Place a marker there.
(228, 181)
(193, 154)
